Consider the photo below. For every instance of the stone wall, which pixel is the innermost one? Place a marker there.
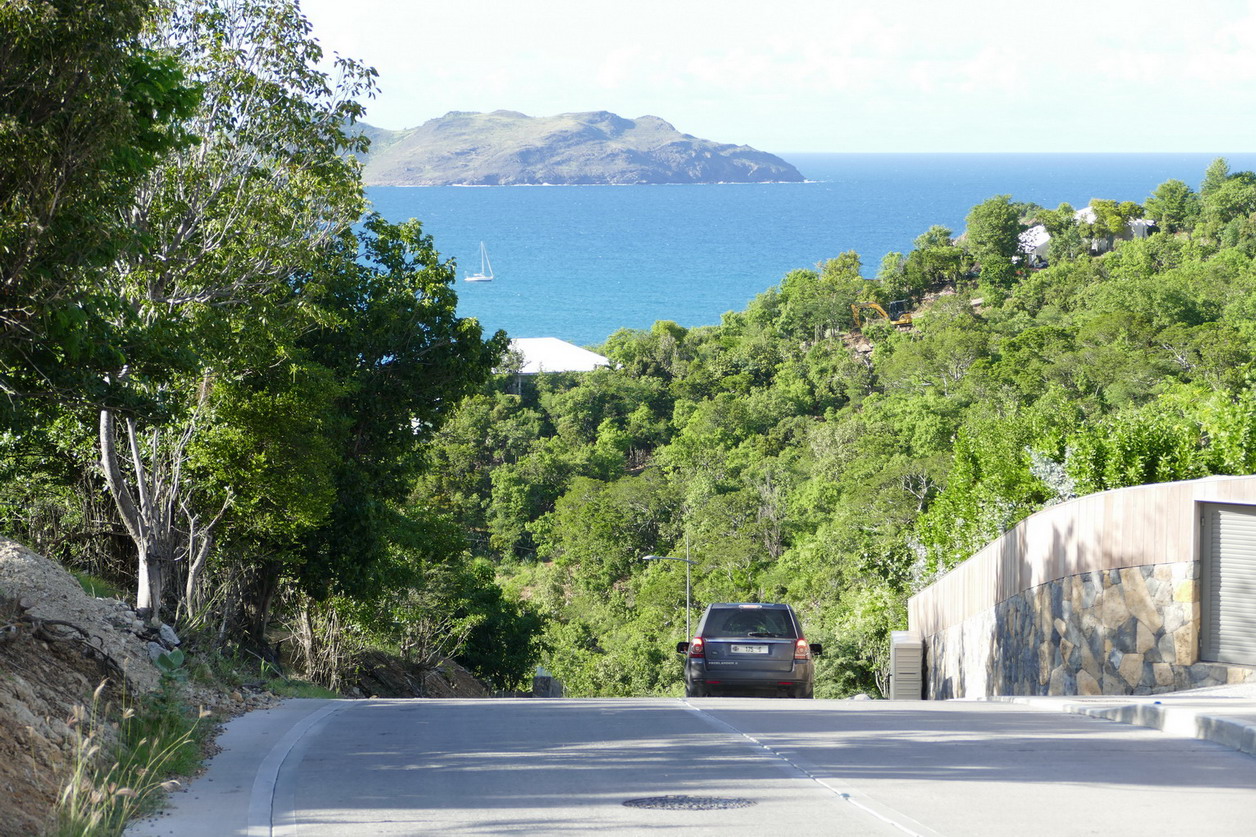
(1122, 631)
(1097, 595)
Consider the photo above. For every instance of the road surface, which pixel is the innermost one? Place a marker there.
(464, 767)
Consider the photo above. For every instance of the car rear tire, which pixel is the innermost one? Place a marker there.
(695, 690)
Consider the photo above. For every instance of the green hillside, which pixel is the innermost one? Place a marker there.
(799, 461)
(234, 394)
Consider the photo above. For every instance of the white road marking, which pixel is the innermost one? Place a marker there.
(882, 812)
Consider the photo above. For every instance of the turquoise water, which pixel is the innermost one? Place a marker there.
(579, 262)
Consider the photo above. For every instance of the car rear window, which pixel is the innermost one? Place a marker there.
(749, 622)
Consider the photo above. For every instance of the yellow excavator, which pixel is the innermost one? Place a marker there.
(898, 314)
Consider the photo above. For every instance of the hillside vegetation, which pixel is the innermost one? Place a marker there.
(797, 460)
(216, 369)
(230, 392)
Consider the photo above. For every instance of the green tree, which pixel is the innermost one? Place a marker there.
(934, 261)
(991, 485)
(487, 432)
(1217, 173)
(993, 239)
(1233, 199)
(1136, 447)
(391, 337)
(892, 276)
(85, 112)
(504, 643)
(813, 305)
(1174, 206)
(940, 352)
(603, 529)
(266, 191)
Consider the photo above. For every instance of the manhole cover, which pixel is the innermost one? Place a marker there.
(689, 803)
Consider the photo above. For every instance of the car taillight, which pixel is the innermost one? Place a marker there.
(696, 650)
(802, 651)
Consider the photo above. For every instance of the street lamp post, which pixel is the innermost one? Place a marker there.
(688, 564)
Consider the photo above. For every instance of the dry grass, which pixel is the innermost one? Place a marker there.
(125, 761)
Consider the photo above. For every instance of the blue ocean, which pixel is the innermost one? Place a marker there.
(580, 262)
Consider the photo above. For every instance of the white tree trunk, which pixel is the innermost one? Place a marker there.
(147, 499)
(134, 516)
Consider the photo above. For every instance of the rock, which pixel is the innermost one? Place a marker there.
(1125, 637)
(1092, 653)
(1114, 612)
(1173, 619)
(155, 650)
(1114, 659)
(1063, 682)
(506, 148)
(1138, 598)
(1207, 674)
(1092, 587)
(1087, 685)
(167, 636)
(1238, 675)
(1114, 684)
(1131, 669)
(1185, 644)
(47, 591)
(1145, 640)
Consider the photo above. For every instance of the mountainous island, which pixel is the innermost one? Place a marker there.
(507, 148)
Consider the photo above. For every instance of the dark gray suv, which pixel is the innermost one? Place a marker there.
(749, 648)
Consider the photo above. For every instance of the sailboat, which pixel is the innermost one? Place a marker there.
(486, 268)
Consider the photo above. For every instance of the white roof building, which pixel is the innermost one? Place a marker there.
(1034, 241)
(549, 354)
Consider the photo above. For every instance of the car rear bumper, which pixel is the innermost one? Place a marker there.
(800, 675)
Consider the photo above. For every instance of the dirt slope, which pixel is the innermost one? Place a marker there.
(57, 644)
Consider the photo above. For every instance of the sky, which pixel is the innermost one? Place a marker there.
(827, 75)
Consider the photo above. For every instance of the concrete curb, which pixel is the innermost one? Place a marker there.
(234, 795)
(1235, 733)
(1228, 722)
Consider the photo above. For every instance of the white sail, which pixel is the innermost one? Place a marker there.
(486, 268)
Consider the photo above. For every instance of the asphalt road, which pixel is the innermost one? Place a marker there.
(797, 768)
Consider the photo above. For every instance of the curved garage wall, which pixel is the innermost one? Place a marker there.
(1099, 595)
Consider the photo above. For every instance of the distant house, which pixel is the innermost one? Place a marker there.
(549, 354)
(1035, 241)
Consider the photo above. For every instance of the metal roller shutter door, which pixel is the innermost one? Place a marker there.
(1228, 581)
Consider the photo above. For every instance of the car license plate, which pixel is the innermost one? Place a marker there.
(750, 649)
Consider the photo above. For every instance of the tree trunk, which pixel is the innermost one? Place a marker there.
(148, 582)
(149, 503)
